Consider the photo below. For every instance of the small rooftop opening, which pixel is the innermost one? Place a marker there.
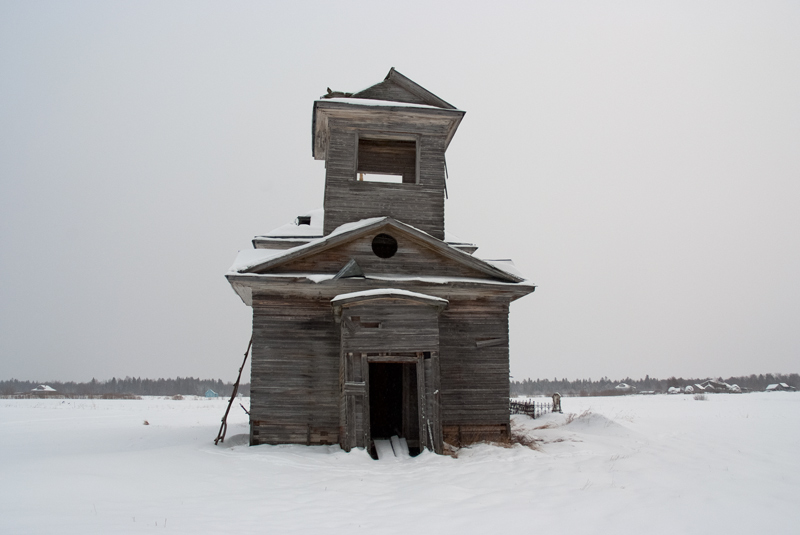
(304, 220)
(387, 160)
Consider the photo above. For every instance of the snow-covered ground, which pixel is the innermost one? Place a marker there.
(646, 464)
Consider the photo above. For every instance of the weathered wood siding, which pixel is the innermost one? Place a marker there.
(411, 259)
(354, 402)
(301, 393)
(474, 364)
(387, 330)
(295, 372)
(390, 326)
(347, 199)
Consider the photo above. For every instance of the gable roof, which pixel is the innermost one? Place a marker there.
(268, 259)
(396, 88)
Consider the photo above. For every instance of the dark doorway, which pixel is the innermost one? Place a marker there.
(385, 400)
(393, 403)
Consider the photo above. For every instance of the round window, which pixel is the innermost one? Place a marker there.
(384, 246)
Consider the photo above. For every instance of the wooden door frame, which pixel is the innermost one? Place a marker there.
(430, 431)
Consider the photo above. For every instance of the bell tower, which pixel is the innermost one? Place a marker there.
(384, 152)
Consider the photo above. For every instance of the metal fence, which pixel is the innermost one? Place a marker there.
(532, 408)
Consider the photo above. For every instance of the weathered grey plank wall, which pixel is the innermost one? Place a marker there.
(347, 199)
(410, 405)
(474, 380)
(411, 259)
(390, 326)
(295, 372)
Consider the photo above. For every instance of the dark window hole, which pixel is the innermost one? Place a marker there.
(384, 246)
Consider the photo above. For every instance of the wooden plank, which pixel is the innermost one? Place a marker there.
(294, 373)
(367, 433)
(392, 359)
(436, 421)
(490, 342)
(421, 404)
(355, 388)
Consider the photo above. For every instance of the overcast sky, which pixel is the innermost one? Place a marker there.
(640, 162)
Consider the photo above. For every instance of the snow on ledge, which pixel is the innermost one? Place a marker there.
(387, 292)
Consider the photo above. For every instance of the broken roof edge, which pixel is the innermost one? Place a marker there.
(398, 79)
(357, 101)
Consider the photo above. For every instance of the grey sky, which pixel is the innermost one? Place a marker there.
(638, 160)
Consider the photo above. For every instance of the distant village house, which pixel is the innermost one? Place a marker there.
(780, 387)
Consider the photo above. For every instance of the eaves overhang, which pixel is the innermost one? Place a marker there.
(330, 109)
(351, 231)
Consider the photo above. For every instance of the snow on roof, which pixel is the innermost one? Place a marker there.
(387, 292)
(43, 388)
(506, 265)
(253, 257)
(779, 386)
(293, 230)
(249, 259)
(371, 102)
(441, 280)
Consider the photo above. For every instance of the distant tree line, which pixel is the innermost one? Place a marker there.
(186, 386)
(605, 386)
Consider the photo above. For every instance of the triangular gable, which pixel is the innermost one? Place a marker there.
(354, 231)
(398, 88)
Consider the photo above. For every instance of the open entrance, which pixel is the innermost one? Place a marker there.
(393, 405)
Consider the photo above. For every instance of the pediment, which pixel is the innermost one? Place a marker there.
(417, 255)
(396, 88)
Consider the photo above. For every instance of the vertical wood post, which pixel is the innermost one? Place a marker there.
(421, 402)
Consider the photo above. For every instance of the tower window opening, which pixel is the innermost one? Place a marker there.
(387, 160)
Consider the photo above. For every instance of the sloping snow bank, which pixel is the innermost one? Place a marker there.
(655, 464)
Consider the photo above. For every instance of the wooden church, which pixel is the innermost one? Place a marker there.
(369, 320)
